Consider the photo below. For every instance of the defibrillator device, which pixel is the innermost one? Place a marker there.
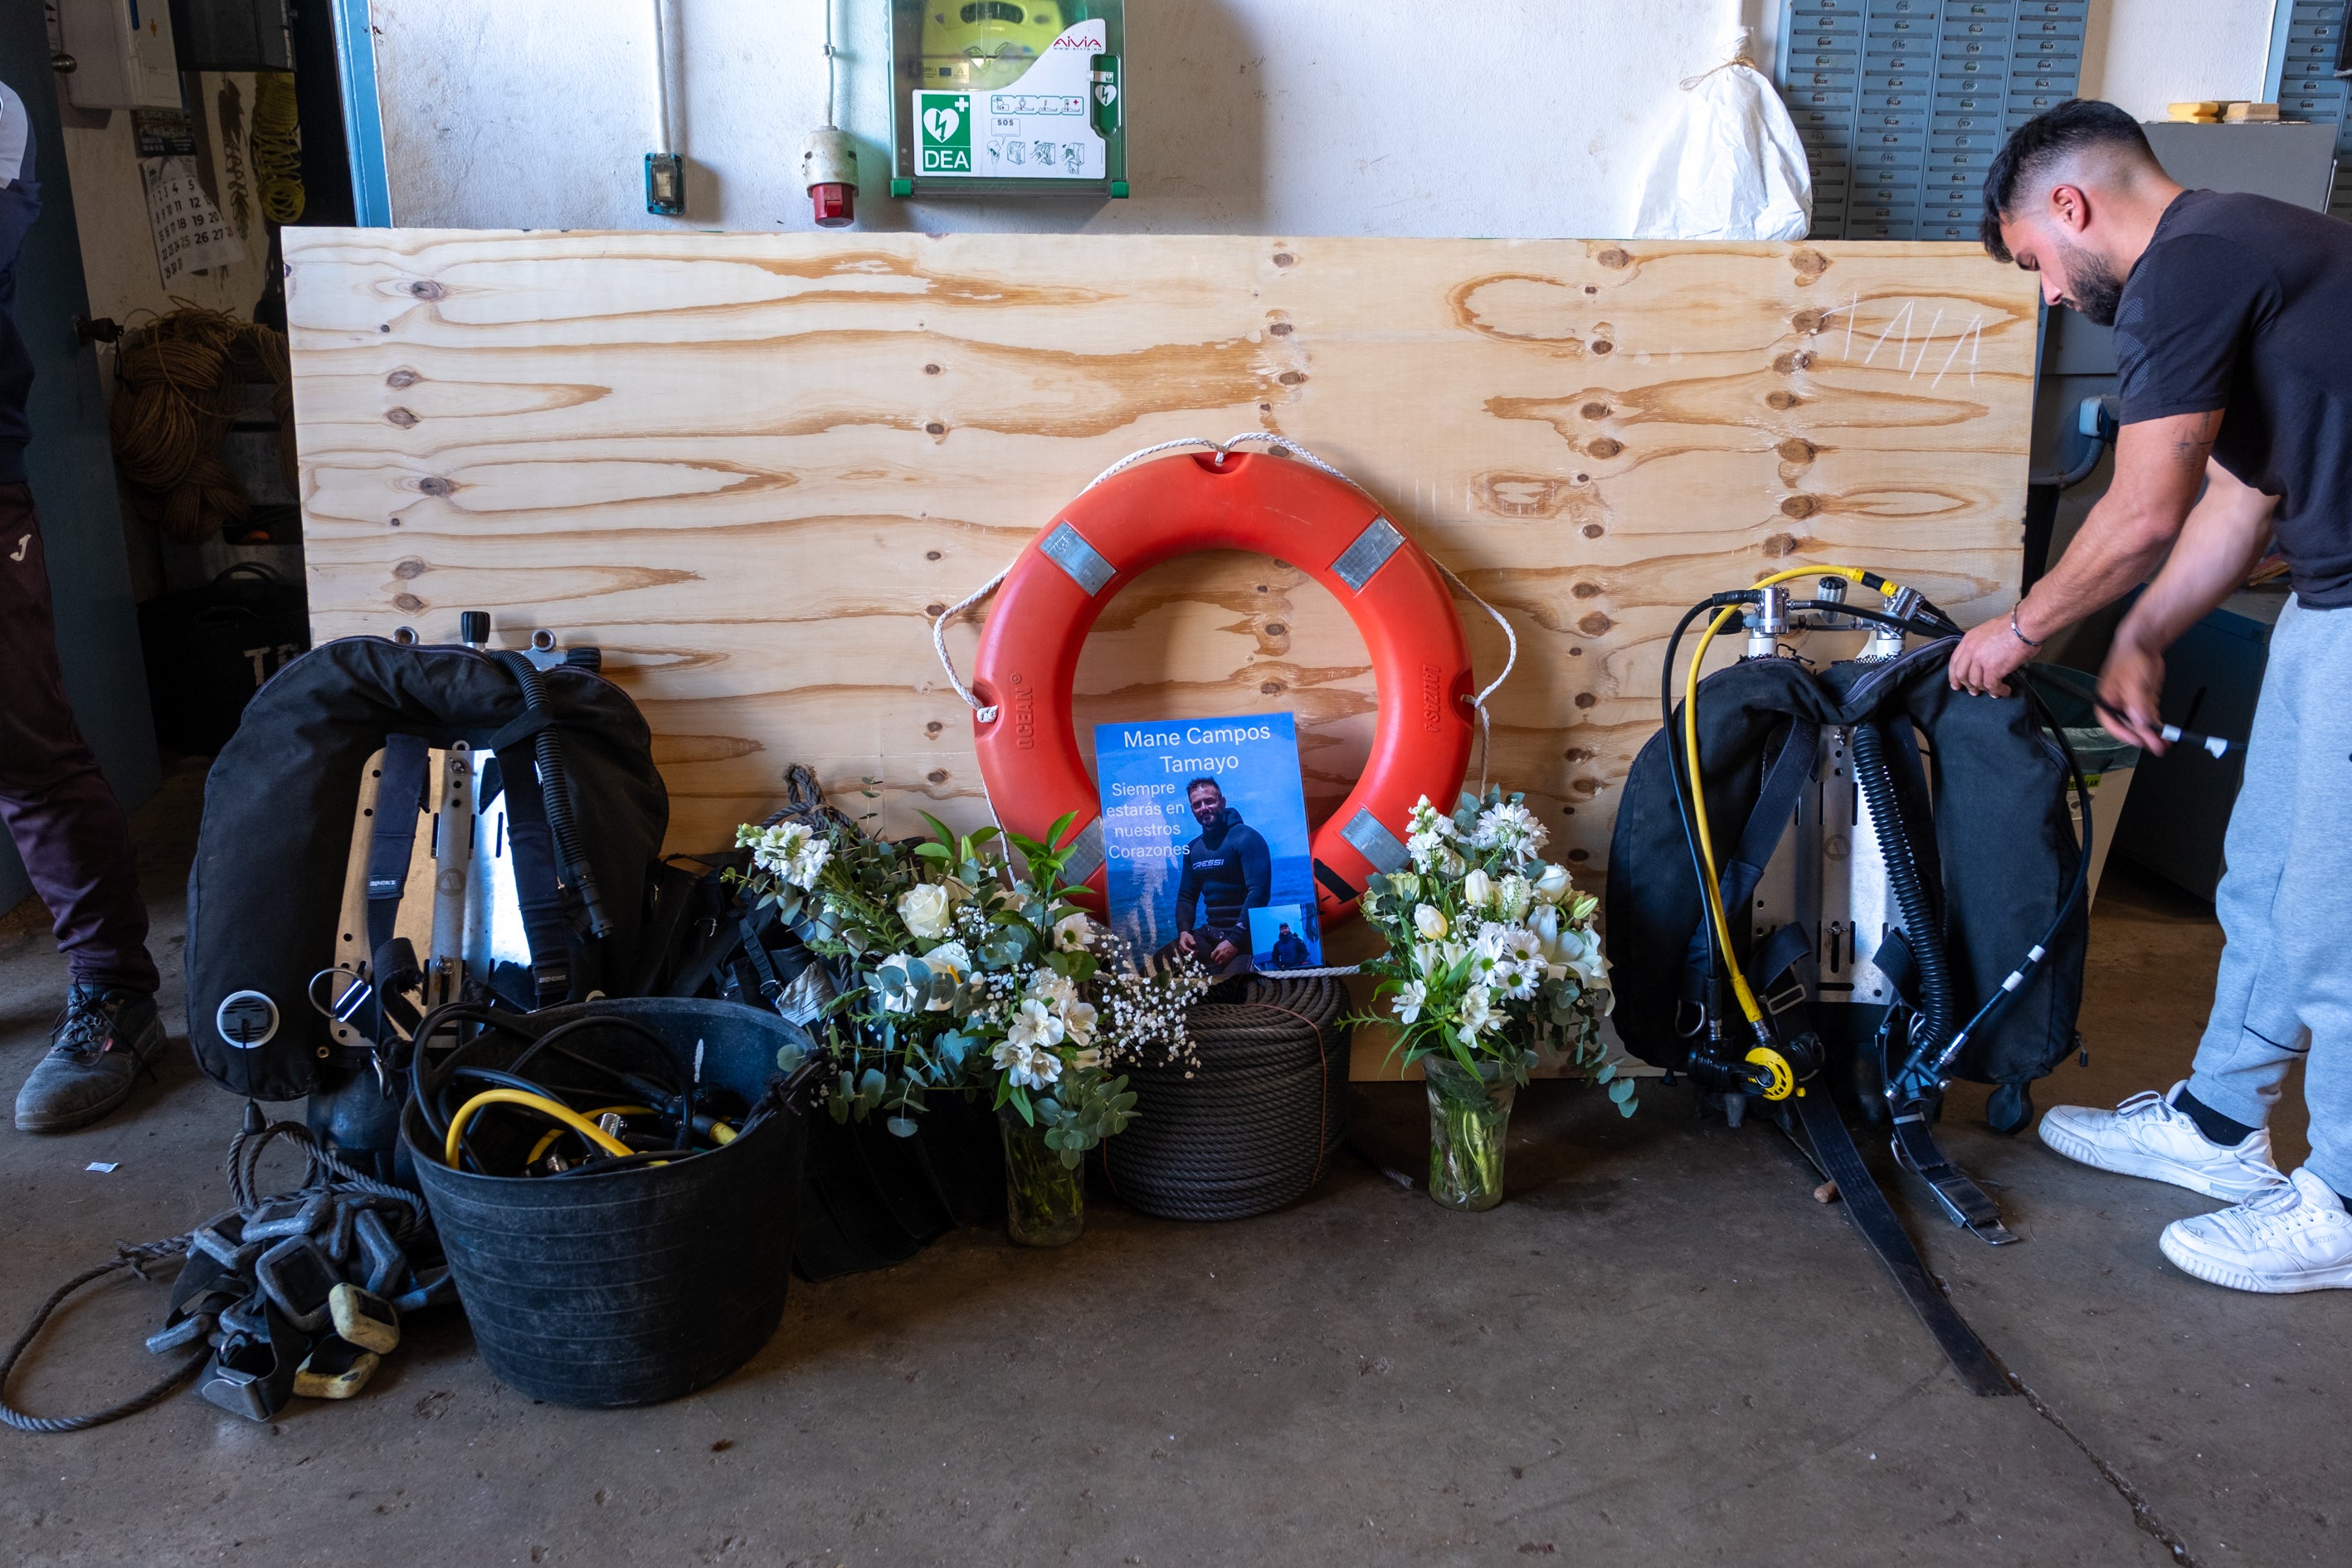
(1008, 98)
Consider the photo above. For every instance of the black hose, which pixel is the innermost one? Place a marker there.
(555, 789)
(1920, 930)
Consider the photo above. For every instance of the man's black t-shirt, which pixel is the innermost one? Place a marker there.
(2244, 304)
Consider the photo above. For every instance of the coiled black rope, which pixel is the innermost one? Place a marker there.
(1259, 1120)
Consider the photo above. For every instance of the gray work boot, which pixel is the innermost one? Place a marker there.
(98, 1047)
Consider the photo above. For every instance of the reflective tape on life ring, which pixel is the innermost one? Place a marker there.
(1156, 510)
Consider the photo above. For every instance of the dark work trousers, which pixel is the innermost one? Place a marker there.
(66, 821)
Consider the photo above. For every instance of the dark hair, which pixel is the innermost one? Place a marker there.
(1286, 925)
(2048, 137)
(1204, 778)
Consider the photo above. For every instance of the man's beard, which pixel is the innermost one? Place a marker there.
(2093, 289)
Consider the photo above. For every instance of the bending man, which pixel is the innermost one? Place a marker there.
(2233, 348)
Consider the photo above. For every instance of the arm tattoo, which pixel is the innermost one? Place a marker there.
(2192, 448)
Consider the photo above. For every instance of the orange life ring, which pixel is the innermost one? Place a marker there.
(1155, 510)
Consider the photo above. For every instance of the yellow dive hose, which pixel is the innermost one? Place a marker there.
(1739, 988)
(538, 1102)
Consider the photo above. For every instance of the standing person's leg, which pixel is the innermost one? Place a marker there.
(76, 846)
(2296, 998)
(2206, 1133)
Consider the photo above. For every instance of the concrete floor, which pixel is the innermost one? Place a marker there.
(1658, 1350)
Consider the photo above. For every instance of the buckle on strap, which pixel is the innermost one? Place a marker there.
(1964, 1203)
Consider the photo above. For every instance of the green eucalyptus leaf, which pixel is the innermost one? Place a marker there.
(899, 1127)
(1622, 1090)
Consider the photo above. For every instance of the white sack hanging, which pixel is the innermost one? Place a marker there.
(1730, 166)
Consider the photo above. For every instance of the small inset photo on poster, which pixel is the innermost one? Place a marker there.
(1284, 936)
(1204, 831)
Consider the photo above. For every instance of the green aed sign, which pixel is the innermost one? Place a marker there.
(946, 129)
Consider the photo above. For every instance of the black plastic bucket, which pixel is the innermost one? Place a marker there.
(644, 1284)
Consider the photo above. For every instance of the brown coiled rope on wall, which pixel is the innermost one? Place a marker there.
(180, 380)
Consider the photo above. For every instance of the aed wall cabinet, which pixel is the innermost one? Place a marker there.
(994, 97)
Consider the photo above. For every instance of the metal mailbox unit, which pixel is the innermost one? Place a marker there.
(1903, 103)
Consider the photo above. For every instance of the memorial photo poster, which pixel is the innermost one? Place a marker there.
(1204, 832)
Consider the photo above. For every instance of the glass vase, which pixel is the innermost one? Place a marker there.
(1469, 1118)
(1044, 1200)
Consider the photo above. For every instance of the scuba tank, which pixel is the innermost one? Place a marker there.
(1831, 892)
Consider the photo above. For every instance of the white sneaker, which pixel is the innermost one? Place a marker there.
(2294, 1236)
(2148, 1136)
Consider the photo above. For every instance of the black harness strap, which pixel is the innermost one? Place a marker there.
(399, 798)
(1839, 1160)
(1776, 806)
(546, 929)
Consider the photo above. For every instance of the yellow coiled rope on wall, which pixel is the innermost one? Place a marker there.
(277, 146)
(180, 379)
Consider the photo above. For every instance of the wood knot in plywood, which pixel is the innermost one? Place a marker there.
(1587, 787)
(1613, 259)
(1270, 688)
(1604, 446)
(1291, 377)
(935, 428)
(1797, 449)
(1800, 505)
(1578, 857)
(1585, 590)
(935, 611)
(1808, 320)
(1810, 264)
(1594, 531)
(400, 416)
(1603, 346)
(1781, 400)
(1595, 625)
(1594, 411)
(425, 288)
(1585, 700)
(1782, 545)
(930, 370)
(1578, 754)
(433, 485)
(400, 379)
(1280, 329)
(1284, 259)
(1521, 495)
(410, 568)
(408, 604)
(937, 775)
(1789, 364)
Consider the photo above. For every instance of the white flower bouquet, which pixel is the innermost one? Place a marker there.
(1492, 957)
(971, 975)
(1492, 953)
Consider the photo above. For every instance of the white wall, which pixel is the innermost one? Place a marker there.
(2145, 54)
(1486, 117)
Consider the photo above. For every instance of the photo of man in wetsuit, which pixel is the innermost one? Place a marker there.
(1227, 872)
(1289, 953)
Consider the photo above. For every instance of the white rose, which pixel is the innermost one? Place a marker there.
(1477, 888)
(1074, 932)
(927, 910)
(1553, 885)
(1429, 921)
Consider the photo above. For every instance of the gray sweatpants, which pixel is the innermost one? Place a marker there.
(2285, 901)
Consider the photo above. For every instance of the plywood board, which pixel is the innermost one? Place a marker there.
(750, 467)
